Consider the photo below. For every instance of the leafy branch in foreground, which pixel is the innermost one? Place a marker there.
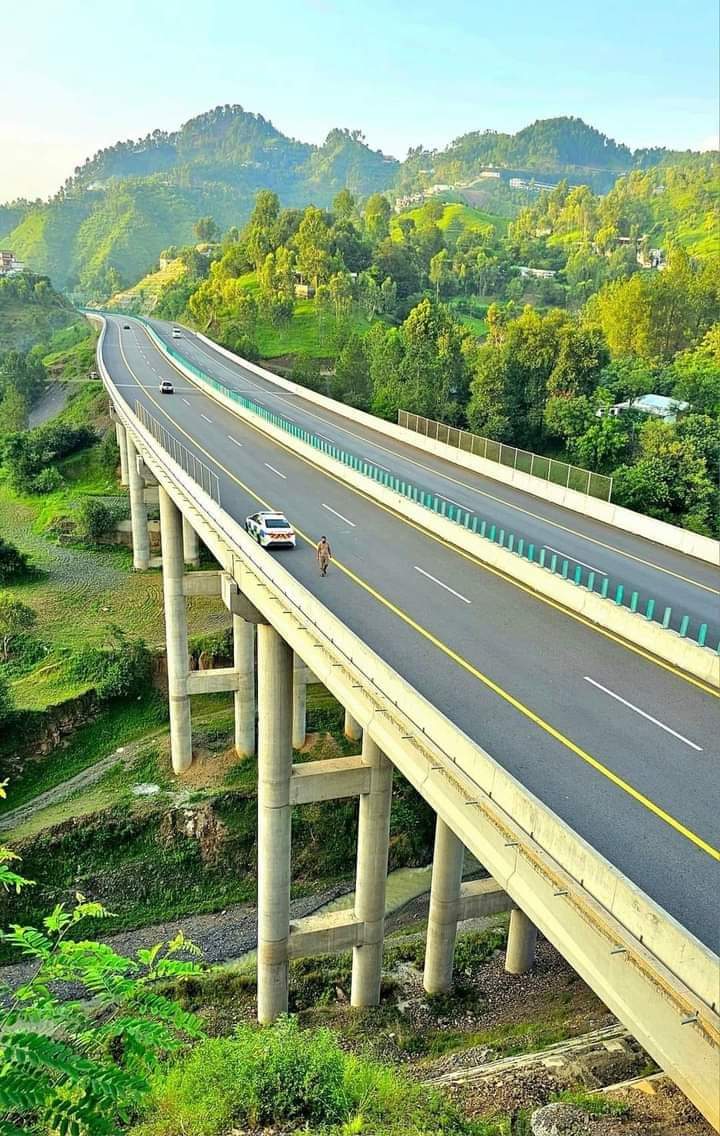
(81, 1036)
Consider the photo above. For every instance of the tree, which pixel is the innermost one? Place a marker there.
(16, 619)
(13, 411)
(383, 348)
(433, 371)
(343, 205)
(312, 242)
(377, 217)
(13, 563)
(206, 230)
(351, 382)
(89, 1066)
(439, 270)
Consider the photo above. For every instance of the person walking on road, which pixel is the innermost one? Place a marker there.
(324, 555)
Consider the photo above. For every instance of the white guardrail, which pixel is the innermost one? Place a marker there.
(640, 960)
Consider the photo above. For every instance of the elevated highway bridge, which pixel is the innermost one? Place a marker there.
(581, 770)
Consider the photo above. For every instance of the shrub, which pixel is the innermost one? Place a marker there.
(30, 453)
(109, 452)
(16, 619)
(7, 705)
(95, 518)
(13, 563)
(281, 1076)
(117, 671)
(246, 348)
(48, 481)
(89, 1064)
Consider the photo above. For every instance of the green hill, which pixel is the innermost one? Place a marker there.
(110, 221)
(454, 220)
(30, 312)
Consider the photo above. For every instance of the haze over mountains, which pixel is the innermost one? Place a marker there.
(119, 210)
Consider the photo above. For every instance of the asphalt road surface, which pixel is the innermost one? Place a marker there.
(621, 746)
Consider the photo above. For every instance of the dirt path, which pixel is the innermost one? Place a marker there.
(125, 755)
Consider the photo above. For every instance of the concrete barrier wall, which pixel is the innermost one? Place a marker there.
(665, 973)
(663, 643)
(671, 536)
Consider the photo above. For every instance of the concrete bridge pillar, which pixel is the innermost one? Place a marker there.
(176, 634)
(299, 729)
(138, 509)
(275, 687)
(121, 436)
(372, 860)
(522, 936)
(352, 729)
(444, 909)
(244, 663)
(191, 544)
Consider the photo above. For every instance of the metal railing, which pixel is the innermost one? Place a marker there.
(524, 461)
(185, 458)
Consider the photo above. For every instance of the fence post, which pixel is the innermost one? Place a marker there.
(702, 634)
(633, 601)
(619, 593)
(667, 614)
(684, 622)
(650, 609)
(590, 581)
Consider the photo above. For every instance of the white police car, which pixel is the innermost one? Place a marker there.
(270, 530)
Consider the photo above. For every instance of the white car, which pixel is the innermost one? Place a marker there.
(166, 387)
(176, 333)
(270, 530)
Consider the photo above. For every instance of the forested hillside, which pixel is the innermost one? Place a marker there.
(30, 311)
(110, 221)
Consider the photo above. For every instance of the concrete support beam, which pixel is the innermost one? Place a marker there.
(121, 436)
(324, 934)
(372, 859)
(244, 663)
(299, 703)
(274, 813)
(214, 681)
(202, 583)
(191, 544)
(444, 909)
(482, 897)
(176, 634)
(329, 780)
(138, 509)
(522, 937)
(352, 729)
(236, 602)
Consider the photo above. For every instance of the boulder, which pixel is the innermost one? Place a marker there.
(560, 1119)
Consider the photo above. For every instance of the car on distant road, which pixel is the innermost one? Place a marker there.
(94, 375)
(166, 387)
(176, 333)
(126, 327)
(270, 530)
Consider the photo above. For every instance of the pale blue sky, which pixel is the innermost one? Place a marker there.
(80, 75)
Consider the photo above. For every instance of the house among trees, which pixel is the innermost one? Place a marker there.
(9, 264)
(656, 404)
(538, 273)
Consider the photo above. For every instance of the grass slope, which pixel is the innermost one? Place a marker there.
(455, 219)
(144, 295)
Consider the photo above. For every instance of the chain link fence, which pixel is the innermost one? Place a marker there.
(548, 469)
(185, 458)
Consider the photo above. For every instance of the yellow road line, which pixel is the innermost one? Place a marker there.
(515, 583)
(593, 762)
(518, 508)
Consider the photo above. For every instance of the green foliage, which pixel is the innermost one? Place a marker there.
(28, 455)
(14, 564)
(7, 702)
(119, 670)
(95, 518)
(16, 620)
(89, 1065)
(30, 311)
(282, 1075)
